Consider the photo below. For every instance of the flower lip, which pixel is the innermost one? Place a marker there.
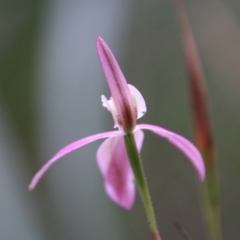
(118, 87)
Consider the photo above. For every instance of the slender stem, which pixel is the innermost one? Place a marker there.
(202, 126)
(211, 197)
(135, 161)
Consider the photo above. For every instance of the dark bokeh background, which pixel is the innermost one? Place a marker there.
(50, 87)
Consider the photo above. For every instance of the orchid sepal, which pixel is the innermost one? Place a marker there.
(184, 145)
(126, 112)
(114, 165)
(67, 149)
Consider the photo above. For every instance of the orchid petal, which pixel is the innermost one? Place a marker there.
(182, 144)
(69, 148)
(118, 87)
(140, 102)
(115, 167)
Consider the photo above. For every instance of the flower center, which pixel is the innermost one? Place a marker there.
(139, 104)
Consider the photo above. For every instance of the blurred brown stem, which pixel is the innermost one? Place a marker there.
(202, 125)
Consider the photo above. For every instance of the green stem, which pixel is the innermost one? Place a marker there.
(211, 197)
(135, 161)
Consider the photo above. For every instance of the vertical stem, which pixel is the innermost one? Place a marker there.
(136, 165)
(202, 126)
(211, 197)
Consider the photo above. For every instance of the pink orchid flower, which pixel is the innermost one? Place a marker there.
(126, 106)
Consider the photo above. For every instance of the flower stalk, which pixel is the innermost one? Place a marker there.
(135, 162)
(211, 201)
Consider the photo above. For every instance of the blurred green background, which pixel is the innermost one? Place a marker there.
(50, 87)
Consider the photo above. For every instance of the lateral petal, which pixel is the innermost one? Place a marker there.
(67, 149)
(182, 144)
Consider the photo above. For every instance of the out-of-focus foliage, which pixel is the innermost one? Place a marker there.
(50, 87)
